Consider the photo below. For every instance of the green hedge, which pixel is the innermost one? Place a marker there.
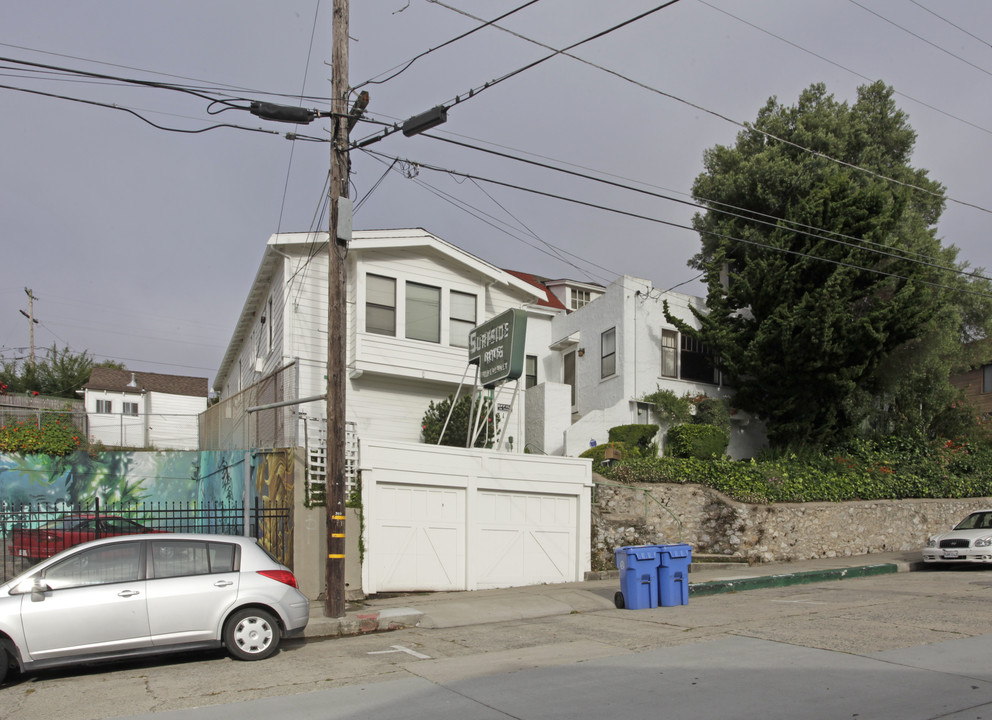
(891, 469)
(697, 441)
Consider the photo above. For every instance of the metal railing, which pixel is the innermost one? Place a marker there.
(32, 533)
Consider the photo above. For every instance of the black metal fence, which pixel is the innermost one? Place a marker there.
(33, 533)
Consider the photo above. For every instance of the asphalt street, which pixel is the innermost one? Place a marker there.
(907, 645)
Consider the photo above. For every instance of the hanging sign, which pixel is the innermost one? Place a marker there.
(497, 347)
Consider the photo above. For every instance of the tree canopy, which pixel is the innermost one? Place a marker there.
(60, 374)
(834, 309)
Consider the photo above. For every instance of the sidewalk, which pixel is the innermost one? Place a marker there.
(455, 609)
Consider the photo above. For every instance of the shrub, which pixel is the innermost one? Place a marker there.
(697, 441)
(56, 436)
(639, 436)
(598, 453)
(458, 427)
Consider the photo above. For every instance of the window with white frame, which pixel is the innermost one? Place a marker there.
(669, 353)
(462, 312)
(579, 298)
(530, 371)
(380, 305)
(270, 323)
(131, 408)
(104, 407)
(608, 344)
(423, 312)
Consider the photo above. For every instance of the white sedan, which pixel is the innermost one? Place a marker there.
(969, 541)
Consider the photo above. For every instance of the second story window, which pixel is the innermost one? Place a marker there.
(697, 362)
(609, 353)
(462, 318)
(104, 407)
(580, 298)
(380, 305)
(131, 408)
(669, 353)
(423, 312)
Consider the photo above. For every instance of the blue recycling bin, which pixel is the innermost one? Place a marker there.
(638, 566)
(673, 574)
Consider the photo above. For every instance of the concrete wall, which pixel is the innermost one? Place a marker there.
(712, 523)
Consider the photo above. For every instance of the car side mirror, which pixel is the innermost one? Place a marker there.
(38, 590)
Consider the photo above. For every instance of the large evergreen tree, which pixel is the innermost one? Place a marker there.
(834, 307)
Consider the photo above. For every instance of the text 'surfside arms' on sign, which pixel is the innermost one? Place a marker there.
(497, 347)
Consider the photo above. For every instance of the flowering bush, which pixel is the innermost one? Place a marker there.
(56, 436)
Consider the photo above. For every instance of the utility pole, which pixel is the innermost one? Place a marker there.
(337, 250)
(30, 316)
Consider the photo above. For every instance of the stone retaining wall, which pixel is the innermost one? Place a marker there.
(712, 523)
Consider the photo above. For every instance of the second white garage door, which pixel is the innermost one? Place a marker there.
(525, 539)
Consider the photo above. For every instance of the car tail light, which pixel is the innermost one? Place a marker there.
(283, 576)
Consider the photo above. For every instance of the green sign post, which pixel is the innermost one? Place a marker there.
(497, 347)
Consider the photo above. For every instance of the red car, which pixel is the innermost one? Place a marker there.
(70, 529)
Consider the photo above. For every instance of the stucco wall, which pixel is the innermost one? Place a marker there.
(712, 523)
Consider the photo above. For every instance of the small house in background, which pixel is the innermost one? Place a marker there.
(125, 408)
(976, 384)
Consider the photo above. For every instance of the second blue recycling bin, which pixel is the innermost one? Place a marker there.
(673, 574)
(653, 575)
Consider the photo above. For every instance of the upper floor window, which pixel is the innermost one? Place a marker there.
(423, 312)
(462, 313)
(270, 324)
(530, 371)
(608, 342)
(580, 298)
(104, 406)
(697, 363)
(380, 305)
(669, 353)
(131, 408)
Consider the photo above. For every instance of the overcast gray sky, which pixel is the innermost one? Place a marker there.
(140, 243)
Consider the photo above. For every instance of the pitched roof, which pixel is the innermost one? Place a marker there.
(550, 300)
(128, 381)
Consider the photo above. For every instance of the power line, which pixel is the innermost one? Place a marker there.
(958, 27)
(138, 115)
(669, 223)
(529, 66)
(743, 125)
(919, 37)
(750, 216)
(402, 67)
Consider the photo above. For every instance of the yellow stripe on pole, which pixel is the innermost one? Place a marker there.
(337, 535)
(337, 517)
(335, 557)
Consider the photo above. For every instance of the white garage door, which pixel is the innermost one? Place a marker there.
(418, 539)
(526, 539)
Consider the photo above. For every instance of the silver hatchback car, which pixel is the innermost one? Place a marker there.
(149, 594)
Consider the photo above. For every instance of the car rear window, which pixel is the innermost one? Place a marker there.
(176, 558)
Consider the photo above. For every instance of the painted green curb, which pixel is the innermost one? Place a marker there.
(800, 578)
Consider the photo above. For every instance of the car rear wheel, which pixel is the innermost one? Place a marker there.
(4, 664)
(251, 634)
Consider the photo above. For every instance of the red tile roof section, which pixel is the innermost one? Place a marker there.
(550, 299)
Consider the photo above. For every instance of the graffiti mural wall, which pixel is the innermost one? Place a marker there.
(208, 479)
(123, 477)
